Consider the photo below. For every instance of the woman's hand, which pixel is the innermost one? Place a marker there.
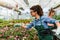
(23, 26)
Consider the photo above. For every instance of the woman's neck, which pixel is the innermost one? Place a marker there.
(50, 16)
(37, 16)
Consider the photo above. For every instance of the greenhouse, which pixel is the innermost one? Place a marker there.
(14, 13)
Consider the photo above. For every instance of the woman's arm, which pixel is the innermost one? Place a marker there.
(58, 24)
(50, 24)
(28, 26)
(58, 28)
(48, 20)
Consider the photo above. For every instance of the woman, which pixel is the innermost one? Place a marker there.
(40, 23)
(50, 15)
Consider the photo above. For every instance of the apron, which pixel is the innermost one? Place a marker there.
(44, 34)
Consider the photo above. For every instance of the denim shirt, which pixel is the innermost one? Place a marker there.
(43, 20)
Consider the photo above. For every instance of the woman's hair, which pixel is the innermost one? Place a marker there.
(50, 11)
(38, 9)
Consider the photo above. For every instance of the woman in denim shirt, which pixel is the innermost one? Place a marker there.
(40, 23)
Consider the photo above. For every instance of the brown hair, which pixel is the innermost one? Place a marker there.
(38, 9)
(50, 11)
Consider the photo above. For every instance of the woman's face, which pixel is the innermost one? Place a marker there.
(33, 13)
(53, 13)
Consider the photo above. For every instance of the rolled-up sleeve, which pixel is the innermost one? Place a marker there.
(50, 20)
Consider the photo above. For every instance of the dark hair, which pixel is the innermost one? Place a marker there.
(38, 9)
(51, 10)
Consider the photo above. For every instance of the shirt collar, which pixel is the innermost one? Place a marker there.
(37, 19)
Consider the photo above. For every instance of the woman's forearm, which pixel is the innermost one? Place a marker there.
(58, 28)
(50, 24)
(58, 24)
